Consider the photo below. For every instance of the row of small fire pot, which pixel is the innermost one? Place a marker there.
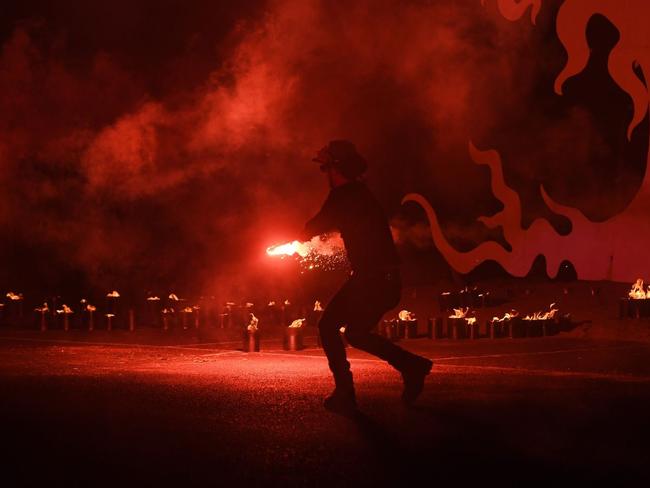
(637, 303)
(187, 318)
(464, 328)
(175, 315)
(458, 326)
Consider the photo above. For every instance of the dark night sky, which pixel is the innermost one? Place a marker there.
(167, 143)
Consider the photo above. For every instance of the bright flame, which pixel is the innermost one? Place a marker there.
(253, 323)
(321, 252)
(459, 313)
(113, 294)
(289, 249)
(153, 299)
(297, 323)
(543, 315)
(638, 291)
(173, 297)
(317, 306)
(43, 309)
(406, 316)
(187, 310)
(508, 316)
(65, 309)
(13, 296)
(90, 308)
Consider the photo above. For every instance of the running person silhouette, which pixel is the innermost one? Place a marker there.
(374, 286)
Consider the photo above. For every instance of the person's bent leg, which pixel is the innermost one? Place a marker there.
(343, 399)
(413, 368)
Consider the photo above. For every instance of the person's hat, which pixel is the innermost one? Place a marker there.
(343, 156)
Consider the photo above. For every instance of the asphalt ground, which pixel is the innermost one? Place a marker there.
(507, 411)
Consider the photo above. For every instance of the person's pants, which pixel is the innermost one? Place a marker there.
(358, 306)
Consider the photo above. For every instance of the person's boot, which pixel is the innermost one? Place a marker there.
(342, 401)
(413, 374)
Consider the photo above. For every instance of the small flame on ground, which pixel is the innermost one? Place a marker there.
(406, 316)
(253, 323)
(543, 315)
(65, 309)
(638, 291)
(461, 313)
(297, 323)
(508, 316)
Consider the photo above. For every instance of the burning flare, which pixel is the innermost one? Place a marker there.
(325, 252)
(289, 249)
(317, 306)
(13, 296)
(43, 309)
(113, 294)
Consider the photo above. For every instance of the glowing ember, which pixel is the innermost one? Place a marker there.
(406, 316)
(110, 315)
(187, 310)
(14, 296)
(90, 308)
(167, 310)
(249, 305)
(638, 291)
(342, 330)
(43, 309)
(543, 315)
(317, 306)
(297, 323)
(319, 253)
(253, 323)
(508, 316)
(271, 304)
(65, 309)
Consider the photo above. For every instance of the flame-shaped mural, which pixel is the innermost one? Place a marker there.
(611, 250)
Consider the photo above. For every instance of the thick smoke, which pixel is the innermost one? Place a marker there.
(119, 171)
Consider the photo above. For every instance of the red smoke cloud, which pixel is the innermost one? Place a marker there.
(120, 180)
